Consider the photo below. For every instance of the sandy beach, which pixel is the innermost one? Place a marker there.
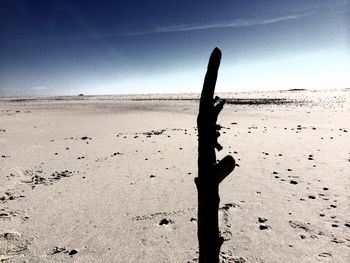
(111, 178)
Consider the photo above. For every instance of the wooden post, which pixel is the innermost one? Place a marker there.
(210, 173)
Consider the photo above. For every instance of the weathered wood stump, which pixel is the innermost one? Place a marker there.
(210, 172)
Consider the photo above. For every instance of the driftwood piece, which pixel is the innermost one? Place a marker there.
(210, 172)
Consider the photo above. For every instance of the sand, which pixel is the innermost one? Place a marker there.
(111, 178)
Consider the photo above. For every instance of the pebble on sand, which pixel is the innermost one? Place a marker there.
(164, 221)
(263, 227)
(262, 220)
(73, 252)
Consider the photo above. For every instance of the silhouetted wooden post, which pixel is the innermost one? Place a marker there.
(210, 173)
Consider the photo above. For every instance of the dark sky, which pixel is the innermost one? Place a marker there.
(107, 47)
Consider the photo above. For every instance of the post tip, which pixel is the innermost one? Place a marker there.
(217, 51)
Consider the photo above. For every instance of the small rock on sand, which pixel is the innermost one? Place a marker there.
(263, 227)
(164, 221)
(262, 220)
(73, 252)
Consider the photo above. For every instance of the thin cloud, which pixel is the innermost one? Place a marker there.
(231, 24)
(237, 23)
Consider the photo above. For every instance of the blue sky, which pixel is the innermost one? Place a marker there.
(66, 47)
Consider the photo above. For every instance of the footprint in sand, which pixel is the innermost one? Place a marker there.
(224, 219)
(12, 244)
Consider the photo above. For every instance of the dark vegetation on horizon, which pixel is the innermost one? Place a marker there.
(236, 101)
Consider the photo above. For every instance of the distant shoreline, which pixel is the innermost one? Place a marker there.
(166, 96)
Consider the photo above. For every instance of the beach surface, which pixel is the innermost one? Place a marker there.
(111, 178)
